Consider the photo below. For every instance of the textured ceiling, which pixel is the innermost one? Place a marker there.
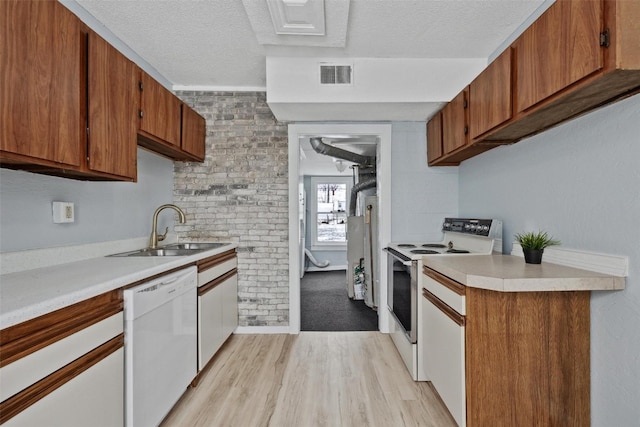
(212, 42)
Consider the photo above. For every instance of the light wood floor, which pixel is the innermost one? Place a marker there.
(312, 379)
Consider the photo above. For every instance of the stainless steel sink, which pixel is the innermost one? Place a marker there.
(176, 249)
(197, 246)
(157, 252)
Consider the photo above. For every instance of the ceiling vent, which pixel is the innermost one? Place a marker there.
(335, 74)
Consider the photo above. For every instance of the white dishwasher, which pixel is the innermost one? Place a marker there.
(160, 345)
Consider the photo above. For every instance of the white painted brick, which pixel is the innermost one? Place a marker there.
(240, 194)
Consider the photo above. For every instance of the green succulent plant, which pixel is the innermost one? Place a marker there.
(539, 240)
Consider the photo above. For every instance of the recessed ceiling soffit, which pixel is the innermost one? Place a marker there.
(310, 23)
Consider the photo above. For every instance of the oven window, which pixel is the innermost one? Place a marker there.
(402, 294)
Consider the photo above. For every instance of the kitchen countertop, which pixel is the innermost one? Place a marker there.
(32, 293)
(508, 273)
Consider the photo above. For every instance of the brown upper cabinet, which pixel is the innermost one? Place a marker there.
(578, 56)
(455, 127)
(193, 133)
(160, 112)
(41, 77)
(557, 50)
(64, 111)
(167, 126)
(490, 96)
(112, 110)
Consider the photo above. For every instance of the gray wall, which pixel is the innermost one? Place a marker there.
(240, 194)
(104, 210)
(580, 182)
(421, 196)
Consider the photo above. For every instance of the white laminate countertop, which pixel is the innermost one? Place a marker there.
(31, 293)
(507, 273)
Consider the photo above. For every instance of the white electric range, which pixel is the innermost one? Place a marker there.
(461, 237)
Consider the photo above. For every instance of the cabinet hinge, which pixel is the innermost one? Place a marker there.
(140, 85)
(465, 104)
(605, 38)
(140, 113)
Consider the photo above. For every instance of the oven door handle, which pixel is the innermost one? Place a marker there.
(400, 257)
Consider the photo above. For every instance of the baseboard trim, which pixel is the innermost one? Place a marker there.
(327, 268)
(262, 330)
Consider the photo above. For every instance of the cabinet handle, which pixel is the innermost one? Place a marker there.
(141, 86)
(466, 130)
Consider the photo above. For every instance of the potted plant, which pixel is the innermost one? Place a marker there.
(533, 245)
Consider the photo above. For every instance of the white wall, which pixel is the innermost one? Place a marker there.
(421, 196)
(580, 182)
(104, 210)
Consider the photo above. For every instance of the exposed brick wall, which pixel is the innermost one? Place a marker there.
(240, 194)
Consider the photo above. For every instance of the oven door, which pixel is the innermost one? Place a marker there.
(402, 298)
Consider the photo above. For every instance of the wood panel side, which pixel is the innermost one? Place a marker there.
(434, 138)
(28, 337)
(569, 352)
(507, 358)
(623, 20)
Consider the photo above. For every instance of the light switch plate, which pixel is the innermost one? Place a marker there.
(63, 212)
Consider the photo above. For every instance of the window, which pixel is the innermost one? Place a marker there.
(330, 198)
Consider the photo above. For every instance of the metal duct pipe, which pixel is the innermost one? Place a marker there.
(371, 183)
(329, 150)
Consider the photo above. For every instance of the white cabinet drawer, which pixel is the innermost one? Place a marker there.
(449, 291)
(20, 374)
(216, 271)
(93, 398)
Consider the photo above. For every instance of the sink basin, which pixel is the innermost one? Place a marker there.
(157, 252)
(197, 246)
(176, 249)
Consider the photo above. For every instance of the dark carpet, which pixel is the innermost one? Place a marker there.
(325, 305)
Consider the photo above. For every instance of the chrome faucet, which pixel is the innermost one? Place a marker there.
(155, 237)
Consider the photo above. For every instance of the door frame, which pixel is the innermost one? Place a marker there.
(295, 132)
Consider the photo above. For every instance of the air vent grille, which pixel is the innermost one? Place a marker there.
(335, 74)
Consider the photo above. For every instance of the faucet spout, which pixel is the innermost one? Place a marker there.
(155, 237)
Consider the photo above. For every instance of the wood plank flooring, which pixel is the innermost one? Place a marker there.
(311, 379)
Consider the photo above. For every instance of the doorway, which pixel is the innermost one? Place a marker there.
(297, 134)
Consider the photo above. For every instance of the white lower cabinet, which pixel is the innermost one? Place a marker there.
(65, 368)
(93, 398)
(444, 353)
(217, 304)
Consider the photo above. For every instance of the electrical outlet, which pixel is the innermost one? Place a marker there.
(63, 212)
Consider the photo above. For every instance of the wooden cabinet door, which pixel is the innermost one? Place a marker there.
(454, 123)
(490, 96)
(434, 138)
(41, 81)
(559, 49)
(112, 110)
(193, 133)
(160, 111)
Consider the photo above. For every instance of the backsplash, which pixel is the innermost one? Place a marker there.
(240, 194)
